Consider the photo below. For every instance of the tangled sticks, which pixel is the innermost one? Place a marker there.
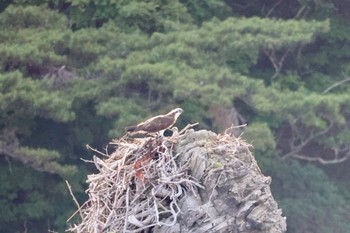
(137, 186)
(196, 181)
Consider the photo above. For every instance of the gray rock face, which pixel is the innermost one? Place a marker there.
(236, 195)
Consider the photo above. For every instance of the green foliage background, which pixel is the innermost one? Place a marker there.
(76, 72)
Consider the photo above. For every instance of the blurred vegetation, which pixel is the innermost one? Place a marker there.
(76, 72)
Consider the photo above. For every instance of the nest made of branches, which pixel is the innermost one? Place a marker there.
(192, 181)
(137, 186)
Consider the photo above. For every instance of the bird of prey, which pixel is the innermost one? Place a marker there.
(157, 123)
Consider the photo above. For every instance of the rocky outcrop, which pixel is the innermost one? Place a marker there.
(236, 195)
(193, 181)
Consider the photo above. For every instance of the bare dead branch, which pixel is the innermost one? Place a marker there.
(322, 160)
(74, 199)
(295, 149)
(302, 11)
(277, 62)
(188, 127)
(273, 8)
(336, 85)
(94, 150)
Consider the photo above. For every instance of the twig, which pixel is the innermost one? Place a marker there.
(75, 200)
(95, 150)
(187, 127)
(127, 210)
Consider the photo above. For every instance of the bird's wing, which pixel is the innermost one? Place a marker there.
(156, 124)
(156, 118)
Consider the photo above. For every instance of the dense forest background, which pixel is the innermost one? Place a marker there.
(76, 72)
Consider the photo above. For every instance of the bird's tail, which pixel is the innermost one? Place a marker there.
(130, 128)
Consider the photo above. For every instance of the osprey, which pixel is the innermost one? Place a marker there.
(157, 123)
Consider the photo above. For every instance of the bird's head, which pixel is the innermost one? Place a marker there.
(176, 112)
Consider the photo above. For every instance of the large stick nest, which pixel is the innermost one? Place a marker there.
(195, 181)
(137, 186)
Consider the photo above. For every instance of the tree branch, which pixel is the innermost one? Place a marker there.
(276, 62)
(336, 84)
(273, 8)
(312, 136)
(321, 160)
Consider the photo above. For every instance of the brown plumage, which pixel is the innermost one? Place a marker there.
(157, 123)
